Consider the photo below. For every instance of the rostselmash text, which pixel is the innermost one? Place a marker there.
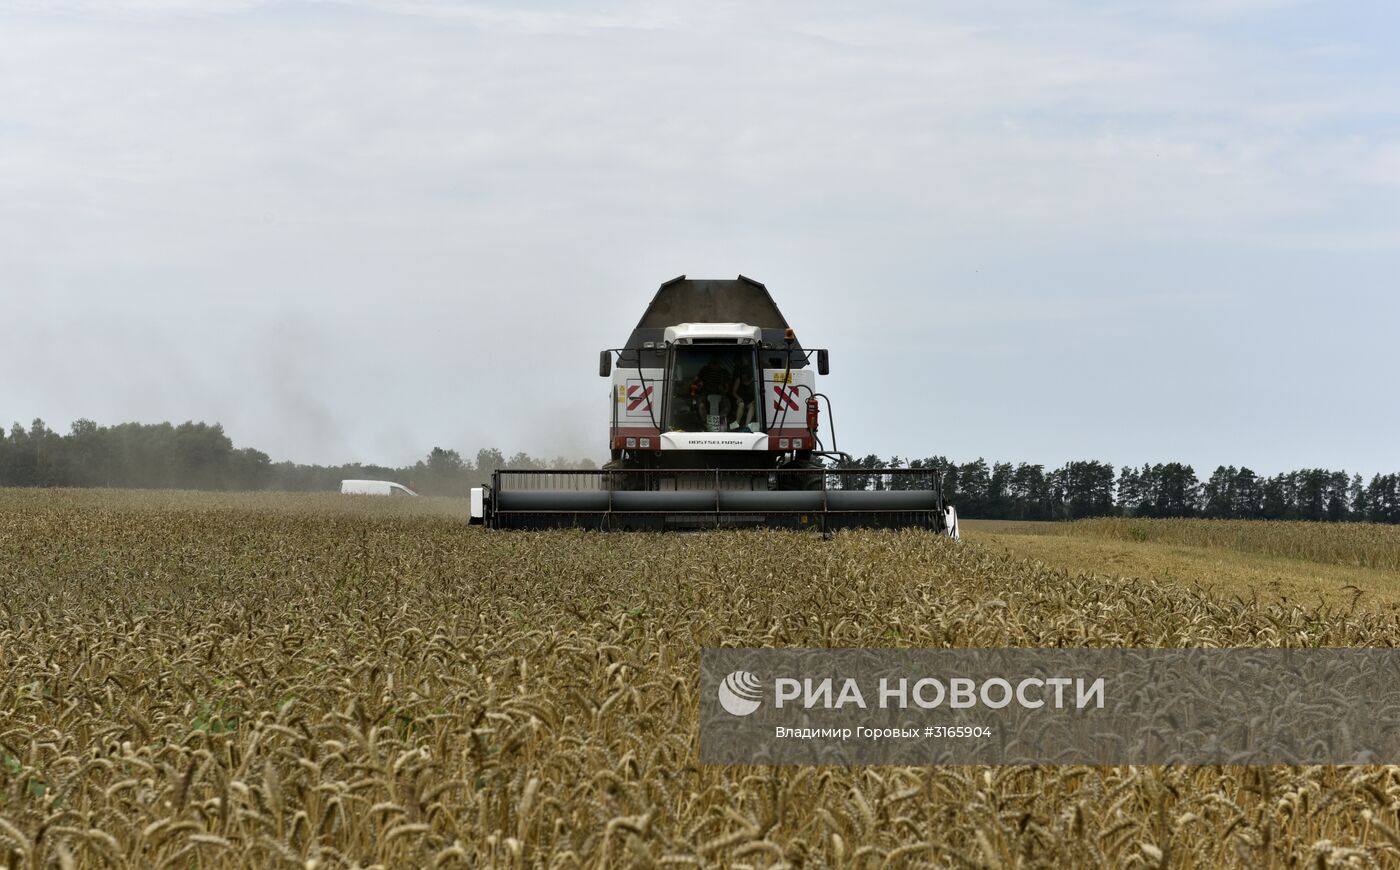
(929, 693)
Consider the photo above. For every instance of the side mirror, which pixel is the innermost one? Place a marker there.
(604, 363)
(823, 363)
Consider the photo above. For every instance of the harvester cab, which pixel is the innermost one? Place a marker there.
(715, 422)
(698, 396)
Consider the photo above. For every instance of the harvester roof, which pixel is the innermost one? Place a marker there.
(706, 300)
(695, 300)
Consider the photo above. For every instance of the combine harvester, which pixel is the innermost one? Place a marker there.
(716, 424)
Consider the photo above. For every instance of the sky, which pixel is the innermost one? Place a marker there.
(1030, 231)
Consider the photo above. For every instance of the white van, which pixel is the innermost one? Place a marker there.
(374, 487)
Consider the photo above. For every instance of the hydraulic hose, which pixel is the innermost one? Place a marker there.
(830, 417)
(651, 413)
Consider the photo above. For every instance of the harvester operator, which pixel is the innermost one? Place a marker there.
(713, 384)
(742, 394)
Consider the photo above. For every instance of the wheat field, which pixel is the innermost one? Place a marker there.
(320, 681)
(1356, 545)
(1351, 545)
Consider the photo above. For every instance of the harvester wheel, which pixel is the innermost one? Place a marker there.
(803, 474)
(617, 480)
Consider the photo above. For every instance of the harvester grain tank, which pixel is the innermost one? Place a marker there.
(715, 422)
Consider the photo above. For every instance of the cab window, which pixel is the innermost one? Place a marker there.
(713, 389)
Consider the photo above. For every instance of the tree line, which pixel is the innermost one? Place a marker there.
(1025, 491)
(202, 456)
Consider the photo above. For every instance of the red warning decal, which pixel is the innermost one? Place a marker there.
(785, 394)
(639, 398)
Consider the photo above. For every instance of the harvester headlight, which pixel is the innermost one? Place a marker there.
(631, 442)
(646, 442)
(797, 444)
(782, 444)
